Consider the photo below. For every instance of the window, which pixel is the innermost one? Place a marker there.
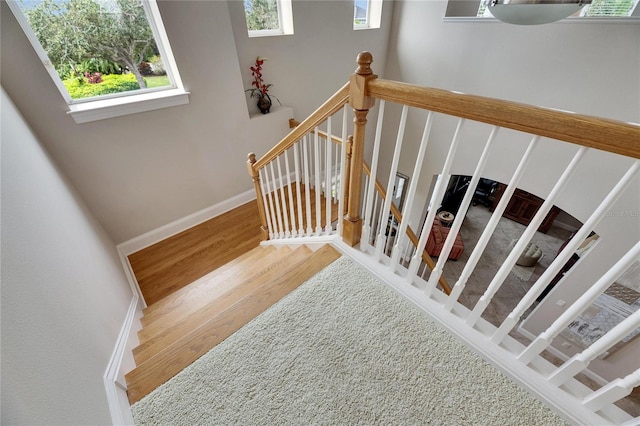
(597, 8)
(107, 57)
(268, 17)
(367, 14)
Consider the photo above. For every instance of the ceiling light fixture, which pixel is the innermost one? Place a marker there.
(533, 12)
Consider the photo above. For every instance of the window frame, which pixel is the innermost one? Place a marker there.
(285, 21)
(374, 15)
(123, 103)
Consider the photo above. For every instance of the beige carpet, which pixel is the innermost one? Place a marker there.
(341, 349)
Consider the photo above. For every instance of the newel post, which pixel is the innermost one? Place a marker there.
(361, 103)
(255, 176)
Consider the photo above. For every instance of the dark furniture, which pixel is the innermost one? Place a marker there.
(523, 206)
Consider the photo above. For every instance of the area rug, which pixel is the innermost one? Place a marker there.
(341, 349)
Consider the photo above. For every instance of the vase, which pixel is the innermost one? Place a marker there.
(264, 104)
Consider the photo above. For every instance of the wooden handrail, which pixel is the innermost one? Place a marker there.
(608, 135)
(410, 233)
(327, 109)
(338, 141)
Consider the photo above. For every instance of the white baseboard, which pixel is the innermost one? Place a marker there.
(122, 355)
(152, 237)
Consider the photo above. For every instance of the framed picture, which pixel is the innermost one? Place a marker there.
(400, 189)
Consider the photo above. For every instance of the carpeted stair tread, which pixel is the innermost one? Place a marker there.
(172, 326)
(165, 364)
(202, 286)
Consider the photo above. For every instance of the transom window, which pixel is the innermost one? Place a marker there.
(268, 17)
(99, 51)
(367, 14)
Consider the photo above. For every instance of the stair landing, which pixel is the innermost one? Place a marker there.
(186, 324)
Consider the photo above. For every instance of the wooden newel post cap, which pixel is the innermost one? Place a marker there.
(364, 63)
(251, 157)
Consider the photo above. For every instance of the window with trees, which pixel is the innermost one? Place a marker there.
(98, 51)
(268, 17)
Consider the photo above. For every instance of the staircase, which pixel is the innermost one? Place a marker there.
(185, 325)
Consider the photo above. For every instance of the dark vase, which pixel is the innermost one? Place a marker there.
(264, 104)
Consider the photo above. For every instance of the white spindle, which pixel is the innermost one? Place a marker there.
(408, 205)
(296, 165)
(580, 361)
(562, 258)
(612, 392)
(343, 169)
(438, 193)
(287, 232)
(462, 212)
(336, 175)
(380, 243)
(544, 339)
(318, 189)
(520, 246)
(272, 202)
(490, 227)
(268, 207)
(307, 178)
(292, 210)
(277, 201)
(371, 188)
(328, 191)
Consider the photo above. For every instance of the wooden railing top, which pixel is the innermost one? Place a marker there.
(327, 109)
(608, 135)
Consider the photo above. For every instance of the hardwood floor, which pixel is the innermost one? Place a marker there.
(171, 264)
(204, 284)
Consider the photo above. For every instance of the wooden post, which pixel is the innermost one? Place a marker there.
(361, 103)
(255, 176)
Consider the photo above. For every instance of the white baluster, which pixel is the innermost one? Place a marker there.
(328, 185)
(276, 232)
(580, 361)
(541, 342)
(520, 246)
(612, 392)
(462, 212)
(316, 157)
(562, 258)
(307, 189)
(287, 232)
(292, 210)
(408, 205)
(381, 242)
(490, 227)
(371, 189)
(438, 193)
(296, 156)
(267, 204)
(343, 169)
(277, 201)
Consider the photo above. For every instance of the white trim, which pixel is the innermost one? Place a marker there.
(154, 236)
(116, 390)
(101, 109)
(285, 21)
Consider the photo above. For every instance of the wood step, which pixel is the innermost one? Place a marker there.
(172, 327)
(164, 365)
(202, 286)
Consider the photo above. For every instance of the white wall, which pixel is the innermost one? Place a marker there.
(64, 295)
(140, 172)
(589, 68)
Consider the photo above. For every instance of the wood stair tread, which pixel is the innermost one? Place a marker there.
(173, 326)
(202, 286)
(201, 338)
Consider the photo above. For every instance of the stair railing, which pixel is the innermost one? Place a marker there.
(368, 206)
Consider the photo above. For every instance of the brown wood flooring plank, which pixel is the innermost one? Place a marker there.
(181, 259)
(172, 360)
